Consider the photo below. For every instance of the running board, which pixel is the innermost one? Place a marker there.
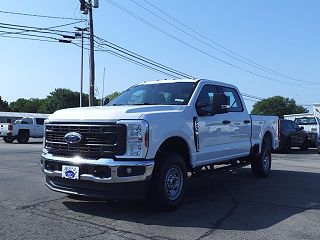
(209, 169)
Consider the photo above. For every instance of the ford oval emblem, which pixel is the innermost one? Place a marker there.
(73, 137)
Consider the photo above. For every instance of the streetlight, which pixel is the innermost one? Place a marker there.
(81, 71)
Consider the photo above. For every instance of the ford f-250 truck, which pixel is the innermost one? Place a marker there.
(152, 138)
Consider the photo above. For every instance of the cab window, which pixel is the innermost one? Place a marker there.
(205, 100)
(235, 104)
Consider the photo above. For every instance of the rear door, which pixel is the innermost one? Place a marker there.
(39, 127)
(298, 135)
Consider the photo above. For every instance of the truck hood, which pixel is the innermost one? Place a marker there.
(109, 113)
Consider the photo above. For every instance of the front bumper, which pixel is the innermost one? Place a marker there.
(111, 182)
(103, 170)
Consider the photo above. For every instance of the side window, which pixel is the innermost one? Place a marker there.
(235, 104)
(205, 100)
(295, 126)
(39, 121)
(26, 121)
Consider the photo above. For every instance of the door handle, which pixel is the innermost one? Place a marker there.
(246, 121)
(225, 122)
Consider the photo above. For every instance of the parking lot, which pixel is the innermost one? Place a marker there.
(231, 205)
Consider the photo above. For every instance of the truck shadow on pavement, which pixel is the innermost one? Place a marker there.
(232, 201)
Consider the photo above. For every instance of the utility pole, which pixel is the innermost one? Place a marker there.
(91, 85)
(86, 7)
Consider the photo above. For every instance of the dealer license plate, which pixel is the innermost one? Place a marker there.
(70, 172)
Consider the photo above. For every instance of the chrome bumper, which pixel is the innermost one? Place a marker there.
(113, 165)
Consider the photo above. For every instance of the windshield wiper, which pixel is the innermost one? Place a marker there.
(145, 103)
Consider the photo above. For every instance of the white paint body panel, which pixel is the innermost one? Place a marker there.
(166, 121)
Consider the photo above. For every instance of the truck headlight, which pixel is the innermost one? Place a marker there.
(137, 138)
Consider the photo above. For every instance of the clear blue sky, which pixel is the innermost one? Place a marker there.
(281, 35)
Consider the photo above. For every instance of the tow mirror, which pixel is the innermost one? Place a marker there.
(220, 103)
(106, 101)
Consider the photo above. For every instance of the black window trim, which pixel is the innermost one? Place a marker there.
(221, 91)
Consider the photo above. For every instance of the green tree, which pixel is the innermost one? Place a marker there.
(278, 106)
(32, 105)
(4, 106)
(62, 98)
(113, 95)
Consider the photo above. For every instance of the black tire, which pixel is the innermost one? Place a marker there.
(168, 183)
(305, 145)
(8, 139)
(261, 164)
(23, 137)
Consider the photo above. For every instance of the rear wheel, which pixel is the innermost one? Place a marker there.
(23, 137)
(8, 139)
(169, 182)
(261, 164)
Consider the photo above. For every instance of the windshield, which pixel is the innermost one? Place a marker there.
(177, 93)
(306, 121)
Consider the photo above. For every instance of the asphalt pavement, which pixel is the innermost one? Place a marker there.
(232, 205)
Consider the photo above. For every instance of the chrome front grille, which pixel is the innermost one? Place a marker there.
(103, 140)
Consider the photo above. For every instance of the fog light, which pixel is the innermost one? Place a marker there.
(129, 170)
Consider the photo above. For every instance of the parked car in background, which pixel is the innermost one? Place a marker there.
(318, 144)
(311, 125)
(23, 129)
(6, 132)
(291, 135)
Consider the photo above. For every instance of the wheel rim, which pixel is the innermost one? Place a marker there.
(266, 162)
(173, 182)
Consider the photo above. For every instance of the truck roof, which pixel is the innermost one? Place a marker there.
(187, 80)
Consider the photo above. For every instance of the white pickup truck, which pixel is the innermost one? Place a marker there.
(23, 129)
(152, 138)
(6, 132)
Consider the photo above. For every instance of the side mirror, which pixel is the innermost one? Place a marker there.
(301, 128)
(203, 109)
(220, 103)
(106, 101)
(200, 104)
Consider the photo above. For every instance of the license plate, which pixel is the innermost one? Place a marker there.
(70, 172)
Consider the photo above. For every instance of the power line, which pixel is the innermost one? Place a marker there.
(25, 38)
(144, 59)
(245, 60)
(40, 16)
(124, 53)
(46, 28)
(199, 50)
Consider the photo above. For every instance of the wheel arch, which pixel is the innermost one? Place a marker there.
(177, 145)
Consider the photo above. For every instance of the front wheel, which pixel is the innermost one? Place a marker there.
(261, 164)
(23, 137)
(8, 139)
(168, 183)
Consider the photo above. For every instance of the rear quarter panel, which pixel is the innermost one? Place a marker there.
(262, 124)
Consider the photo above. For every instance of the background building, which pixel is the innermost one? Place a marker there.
(10, 117)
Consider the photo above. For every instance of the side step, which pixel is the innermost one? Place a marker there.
(211, 169)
